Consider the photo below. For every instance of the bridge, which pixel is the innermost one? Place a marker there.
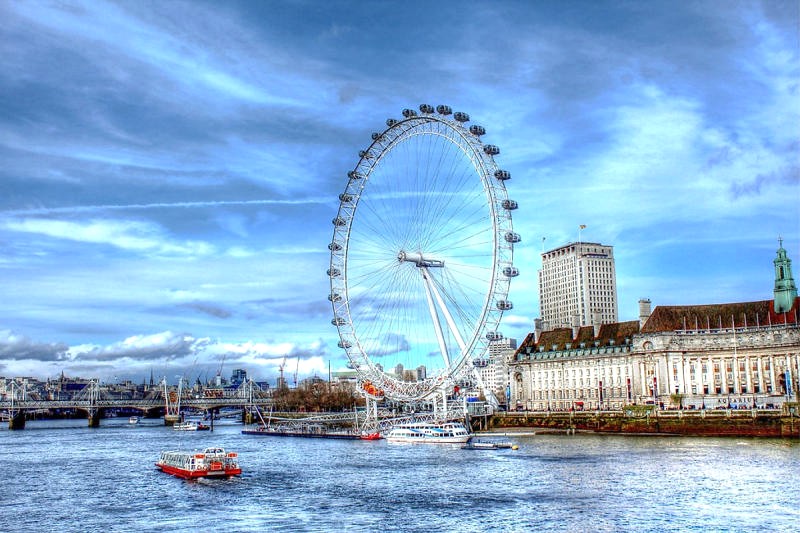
(95, 400)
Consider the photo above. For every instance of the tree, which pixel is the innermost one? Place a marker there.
(677, 400)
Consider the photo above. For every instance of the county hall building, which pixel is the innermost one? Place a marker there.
(736, 355)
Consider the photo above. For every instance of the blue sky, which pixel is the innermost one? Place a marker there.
(170, 169)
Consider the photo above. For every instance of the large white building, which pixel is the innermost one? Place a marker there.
(578, 285)
(698, 356)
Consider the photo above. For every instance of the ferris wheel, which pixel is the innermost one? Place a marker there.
(422, 255)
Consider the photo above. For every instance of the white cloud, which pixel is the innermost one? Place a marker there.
(131, 235)
(16, 347)
(166, 353)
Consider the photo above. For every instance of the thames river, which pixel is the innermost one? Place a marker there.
(63, 476)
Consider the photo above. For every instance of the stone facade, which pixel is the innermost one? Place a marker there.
(731, 355)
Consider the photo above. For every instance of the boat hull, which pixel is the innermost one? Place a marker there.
(427, 440)
(195, 474)
(488, 446)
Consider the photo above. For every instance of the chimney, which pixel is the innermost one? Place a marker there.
(576, 326)
(644, 311)
(538, 328)
(596, 322)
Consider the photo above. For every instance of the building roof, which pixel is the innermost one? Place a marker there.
(717, 316)
(664, 318)
(557, 339)
(618, 332)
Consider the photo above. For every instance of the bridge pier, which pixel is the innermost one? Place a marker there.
(170, 420)
(17, 420)
(94, 419)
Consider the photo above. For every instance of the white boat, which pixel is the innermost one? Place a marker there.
(481, 444)
(429, 432)
(133, 420)
(211, 462)
(190, 426)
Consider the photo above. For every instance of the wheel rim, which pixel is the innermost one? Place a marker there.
(421, 255)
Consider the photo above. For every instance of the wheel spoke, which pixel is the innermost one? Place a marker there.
(418, 256)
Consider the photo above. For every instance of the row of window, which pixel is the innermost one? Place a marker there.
(583, 394)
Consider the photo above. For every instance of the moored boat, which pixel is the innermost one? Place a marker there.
(429, 432)
(133, 420)
(211, 462)
(309, 431)
(481, 444)
(191, 426)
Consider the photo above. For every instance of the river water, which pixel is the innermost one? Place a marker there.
(64, 476)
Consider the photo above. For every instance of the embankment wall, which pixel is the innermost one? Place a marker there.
(756, 423)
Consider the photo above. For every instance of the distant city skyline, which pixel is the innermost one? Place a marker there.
(170, 170)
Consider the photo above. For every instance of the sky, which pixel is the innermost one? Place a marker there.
(169, 170)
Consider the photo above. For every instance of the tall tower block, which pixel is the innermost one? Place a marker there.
(578, 280)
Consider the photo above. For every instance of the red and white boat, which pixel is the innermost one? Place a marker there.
(211, 462)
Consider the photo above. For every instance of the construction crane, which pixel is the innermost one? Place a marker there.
(281, 382)
(296, 368)
(219, 370)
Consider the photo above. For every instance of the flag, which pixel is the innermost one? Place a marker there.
(583, 226)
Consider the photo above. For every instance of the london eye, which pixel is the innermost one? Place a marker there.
(422, 255)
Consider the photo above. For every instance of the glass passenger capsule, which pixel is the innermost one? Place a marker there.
(477, 130)
(491, 149)
(510, 204)
(338, 321)
(443, 109)
(390, 122)
(505, 305)
(334, 272)
(494, 335)
(334, 247)
(408, 113)
(353, 175)
(461, 116)
(502, 174)
(339, 221)
(511, 272)
(512, 237)
(426, 108)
